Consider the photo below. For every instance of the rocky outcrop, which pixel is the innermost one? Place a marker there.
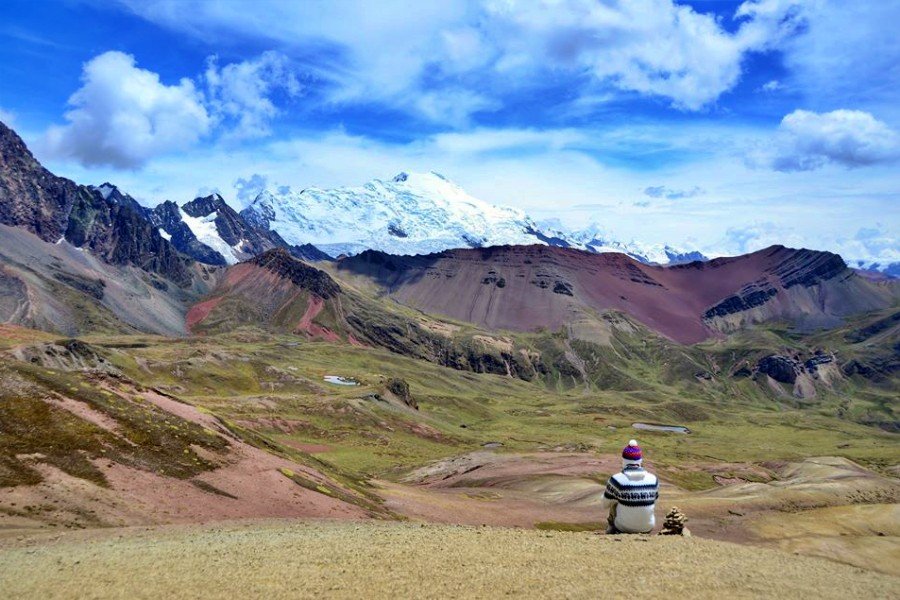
(32, 197)
(804, 375)
(67, 355)
(780, 368)
(281, 263)
(753, 295)
(306, 252)
(400, 389)
(809, 267)
(112, 226)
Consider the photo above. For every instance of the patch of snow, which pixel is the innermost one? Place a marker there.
(105, 190)
(60, 240)
(204, 229)
(164, 234)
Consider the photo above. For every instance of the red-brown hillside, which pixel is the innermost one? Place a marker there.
(527, 287)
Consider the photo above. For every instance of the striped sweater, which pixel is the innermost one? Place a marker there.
(633, 493)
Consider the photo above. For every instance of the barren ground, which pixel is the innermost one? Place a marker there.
(381, 560)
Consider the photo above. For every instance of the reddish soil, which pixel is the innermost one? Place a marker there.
(312, 311)
(247, 483)
(200, 311)
(549, 287)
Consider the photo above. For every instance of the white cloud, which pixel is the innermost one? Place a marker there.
(806, 141)
(662, 191)
(452, 106)
(771, 86)
(653, 47)
(240, 93)
(123, 115)
(848, 54)
(412, 55)
(249, 188)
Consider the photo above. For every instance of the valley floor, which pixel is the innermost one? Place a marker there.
(382, 560)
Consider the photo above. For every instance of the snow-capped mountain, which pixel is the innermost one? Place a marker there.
(594, 238)
(410, 214)
(420, 213)
(208, 230)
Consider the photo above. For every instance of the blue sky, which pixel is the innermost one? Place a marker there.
(724, 126)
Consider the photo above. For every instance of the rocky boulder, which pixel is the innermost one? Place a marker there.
(781, 368)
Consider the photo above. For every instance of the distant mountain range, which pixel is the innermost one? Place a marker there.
(410, 214)
(421, 213)
(78, 259)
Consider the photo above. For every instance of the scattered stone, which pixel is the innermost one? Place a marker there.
(399, 388)
(674, 523)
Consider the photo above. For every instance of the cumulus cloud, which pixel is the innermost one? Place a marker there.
(241, 93)
(123, 115)
(652, 47)
(661, 191)
(249, 188)
(413, 55)
(806, 141)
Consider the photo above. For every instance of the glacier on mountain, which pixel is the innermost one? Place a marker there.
(421, 213)
(413, 213)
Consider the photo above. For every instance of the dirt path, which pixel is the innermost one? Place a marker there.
(381, 560)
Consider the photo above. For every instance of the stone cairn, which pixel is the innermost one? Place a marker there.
(674, 523)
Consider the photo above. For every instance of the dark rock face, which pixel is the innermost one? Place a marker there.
(752, 295)
(812, 364)
(114, 195)
(877, 369)
(167, 217)
(280, 262)
(808, 267)
(780, 368)
(120, 235)
(396, 231)
(32, 197)
(562, 287)
(259, 215)
(112, 226)
(400, 389)
(308, 252)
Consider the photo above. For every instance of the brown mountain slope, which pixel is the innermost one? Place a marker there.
(529, 287)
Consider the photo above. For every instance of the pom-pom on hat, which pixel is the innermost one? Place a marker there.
(632, 452)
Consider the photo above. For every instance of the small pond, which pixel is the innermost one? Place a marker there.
(338, 380)
(656, 427)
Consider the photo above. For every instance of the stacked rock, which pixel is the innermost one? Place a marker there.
(674, 523)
